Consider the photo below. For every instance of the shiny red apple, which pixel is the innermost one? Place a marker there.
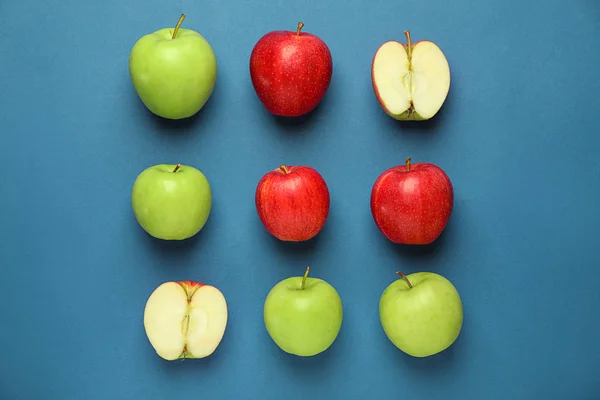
(290, 71)
(412, 203)
(292, 202)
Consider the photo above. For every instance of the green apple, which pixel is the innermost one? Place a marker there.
(173, 71)
(171, 202)
(421, 313)
(303, 315)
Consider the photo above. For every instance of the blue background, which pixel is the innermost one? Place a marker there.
(518, 136)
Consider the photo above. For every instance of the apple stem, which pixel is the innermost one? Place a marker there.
(284, 169)
(177, 167)
(177, 26)
(304, 278)
(409, 51)
(300, 26)
(405, 278)
(408, 163)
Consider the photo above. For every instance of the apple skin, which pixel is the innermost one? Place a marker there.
(191, 286)
(423, 320)
(171, 205)
(412, 204)
(303, 321)
(174, 78)
(290, 71)
(292, 202)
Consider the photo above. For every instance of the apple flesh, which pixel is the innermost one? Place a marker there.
(171, 202)
(303, 315)
(185, 319)
(290, 71)
(412, 81)
(292, 202)
(421, 314)
(412, 203)
(173, 71)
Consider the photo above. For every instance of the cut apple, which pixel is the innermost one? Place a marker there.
(411, 81)
(185, 319)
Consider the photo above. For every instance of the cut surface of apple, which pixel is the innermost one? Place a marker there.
(185, 319)
(411, 81)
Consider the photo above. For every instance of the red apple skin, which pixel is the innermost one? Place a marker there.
(290, 71)
(190, 286)
(292, 202)
(412, 205)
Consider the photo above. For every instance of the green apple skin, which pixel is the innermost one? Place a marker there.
(303, 322)
(424, 320)
(174, 78)
(171, 205)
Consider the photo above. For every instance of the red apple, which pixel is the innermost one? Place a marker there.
(292, 202)
(290, 71)
(411, 204)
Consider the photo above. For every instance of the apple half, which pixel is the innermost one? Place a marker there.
(411, 81)
(185, 319)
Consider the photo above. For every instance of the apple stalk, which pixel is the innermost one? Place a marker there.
(177, 168)
(410, 286)
(304, 278)
(408, 164)
(300, 26)
(409, 49)
(178, 26)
